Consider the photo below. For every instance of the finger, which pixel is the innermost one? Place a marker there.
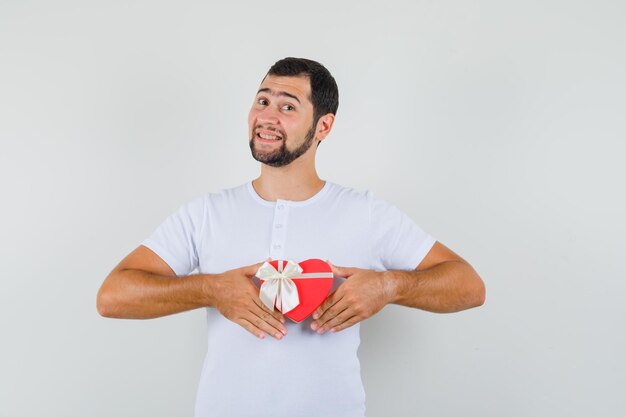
(251, 270)
(348, 323)
(332, 298)
(345, 313)
(277, 314)
(338, 320)
(341, 271)
(330, 313)
(251, 328)
(274, 317)
(262, 322)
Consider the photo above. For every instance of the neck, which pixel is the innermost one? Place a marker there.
(297, 181)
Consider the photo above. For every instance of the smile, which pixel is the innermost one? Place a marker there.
(268, 137)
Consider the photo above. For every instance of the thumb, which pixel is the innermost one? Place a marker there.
(342, 271)
(251, 270)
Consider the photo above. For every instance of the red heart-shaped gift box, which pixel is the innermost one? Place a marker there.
(311, 291)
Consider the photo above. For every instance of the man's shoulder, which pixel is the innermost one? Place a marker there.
(215, 198)
(377, 204)
(349, 193)
(223, 194)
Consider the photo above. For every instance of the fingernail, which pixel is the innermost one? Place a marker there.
(278, 336)
(282, 329)
(316, 316)
(314, 326)
(321, 330)
(261, 335)
(282, 320)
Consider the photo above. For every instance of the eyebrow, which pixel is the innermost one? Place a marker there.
(278, 93)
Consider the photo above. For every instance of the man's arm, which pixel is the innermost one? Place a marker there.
(143, 286)
(443, 282)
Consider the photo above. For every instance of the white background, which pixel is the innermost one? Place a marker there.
(498, 126)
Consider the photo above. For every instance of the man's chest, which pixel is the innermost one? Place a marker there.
(235, 238)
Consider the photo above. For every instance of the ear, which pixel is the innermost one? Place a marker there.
(324, 126)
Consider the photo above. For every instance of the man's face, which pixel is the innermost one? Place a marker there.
(280, 121)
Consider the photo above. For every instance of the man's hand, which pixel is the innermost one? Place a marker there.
(364, 294)
(237, 298)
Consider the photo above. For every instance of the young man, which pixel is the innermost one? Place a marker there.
(287, 369)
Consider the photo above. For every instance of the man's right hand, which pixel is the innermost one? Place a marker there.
(235, 296)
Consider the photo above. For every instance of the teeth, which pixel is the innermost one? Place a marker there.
(269, 137)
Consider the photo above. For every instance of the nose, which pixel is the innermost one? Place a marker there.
(268, 115)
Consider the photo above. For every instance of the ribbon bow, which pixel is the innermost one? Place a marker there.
(278, 287)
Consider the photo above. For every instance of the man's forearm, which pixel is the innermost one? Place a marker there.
(137, 294)
(445, 288)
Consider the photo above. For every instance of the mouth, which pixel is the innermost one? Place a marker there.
(268, 136)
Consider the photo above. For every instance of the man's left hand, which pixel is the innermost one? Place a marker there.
(364, 294)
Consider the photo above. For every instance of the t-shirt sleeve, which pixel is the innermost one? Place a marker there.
(177, 239)
(397, 241)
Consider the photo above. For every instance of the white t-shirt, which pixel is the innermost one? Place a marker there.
(305, 374)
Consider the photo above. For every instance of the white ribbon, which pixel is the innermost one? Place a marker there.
(278, 287)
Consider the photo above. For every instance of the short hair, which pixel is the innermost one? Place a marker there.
(324, 91)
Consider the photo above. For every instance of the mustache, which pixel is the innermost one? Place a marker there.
(281, 132)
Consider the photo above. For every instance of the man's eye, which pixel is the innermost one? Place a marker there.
(262, 102)
(288, 107)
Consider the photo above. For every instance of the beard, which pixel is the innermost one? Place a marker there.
(282, 156)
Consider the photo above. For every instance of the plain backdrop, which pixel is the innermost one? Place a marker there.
(498, 126)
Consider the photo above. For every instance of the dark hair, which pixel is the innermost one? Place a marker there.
(324, 91)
